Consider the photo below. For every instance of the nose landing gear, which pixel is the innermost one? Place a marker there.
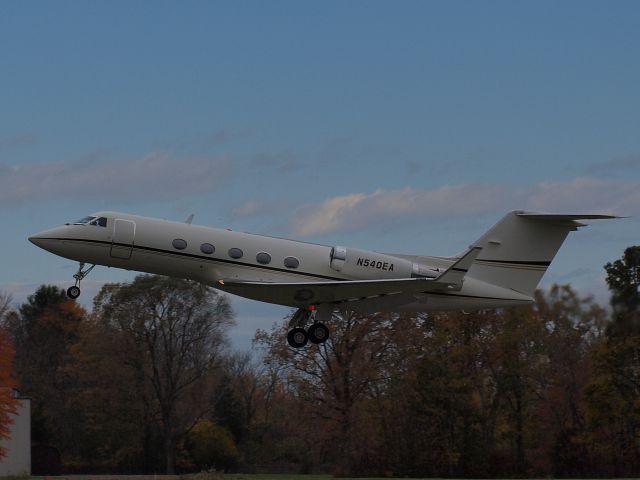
(317, 333)
(74, 291)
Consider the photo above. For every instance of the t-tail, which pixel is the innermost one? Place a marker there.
(517, 250)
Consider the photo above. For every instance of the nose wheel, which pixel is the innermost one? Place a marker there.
(74, 291)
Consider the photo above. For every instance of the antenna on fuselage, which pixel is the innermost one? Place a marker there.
(189, 219)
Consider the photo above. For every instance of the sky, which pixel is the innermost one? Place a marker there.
(407, 126)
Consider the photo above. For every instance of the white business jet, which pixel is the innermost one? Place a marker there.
(501, 269)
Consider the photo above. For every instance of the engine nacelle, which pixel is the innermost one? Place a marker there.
(365, 264)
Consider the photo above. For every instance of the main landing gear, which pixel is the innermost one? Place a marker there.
(74, 291)
(317, 333)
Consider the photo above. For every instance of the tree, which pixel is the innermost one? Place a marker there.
(623, 278)
(172, 334)
(5, 305)
(111, 393)
(43, 331)
(573, 326)
(212, 447)
(614, 387)
(8, 403)
(332, 382)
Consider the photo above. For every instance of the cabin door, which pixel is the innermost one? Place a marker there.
(124, 232)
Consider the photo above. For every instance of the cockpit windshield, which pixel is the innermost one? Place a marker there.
(84, 221)
(91, 220)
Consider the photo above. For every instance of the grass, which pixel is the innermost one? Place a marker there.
(199, 476)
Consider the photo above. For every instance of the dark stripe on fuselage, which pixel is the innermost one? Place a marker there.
(199, 257)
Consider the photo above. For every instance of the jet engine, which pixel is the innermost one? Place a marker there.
(365, 265)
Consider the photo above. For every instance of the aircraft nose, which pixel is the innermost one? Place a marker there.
(45, 238)
(37, 239)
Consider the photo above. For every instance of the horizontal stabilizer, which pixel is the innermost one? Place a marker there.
(454, 275)
(563, 218)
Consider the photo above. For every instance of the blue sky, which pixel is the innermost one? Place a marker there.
(399, 126)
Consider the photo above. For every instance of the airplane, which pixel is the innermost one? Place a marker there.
(500, 269)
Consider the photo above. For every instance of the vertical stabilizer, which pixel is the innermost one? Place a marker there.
(517, 250)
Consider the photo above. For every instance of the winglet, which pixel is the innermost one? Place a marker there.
(189, 219)
(454, 275)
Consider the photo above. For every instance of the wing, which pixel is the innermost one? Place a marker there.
(303, 294)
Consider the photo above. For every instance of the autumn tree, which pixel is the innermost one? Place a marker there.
(332, 382)
(116, 402)
(8, 403)
(5, 306)
(171, 334)
(43, 330)
(212, 447)
(446, 404)
(614, 388)
(573, 326)
(623, 278)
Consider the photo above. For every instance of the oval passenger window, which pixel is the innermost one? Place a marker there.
(235, 253)
(291, 262)
(264, 258)
(179, 244)
(207, 248)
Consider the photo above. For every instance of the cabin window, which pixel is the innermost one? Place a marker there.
(264, 258)
(207, 248)
(179, 244)
(291, 262)
(235, 253)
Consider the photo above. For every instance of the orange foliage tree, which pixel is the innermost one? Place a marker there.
(7, 401)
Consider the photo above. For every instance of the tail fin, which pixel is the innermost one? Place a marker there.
(517, 250)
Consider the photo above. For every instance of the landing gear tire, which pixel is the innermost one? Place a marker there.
(73, 292)
(318, 333)
(297, 337)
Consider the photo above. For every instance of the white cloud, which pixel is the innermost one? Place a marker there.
(359, 210)
(152, 177)
(248, 209)
(584, 194)
(616, 166)
(17, 140)
(281, 163)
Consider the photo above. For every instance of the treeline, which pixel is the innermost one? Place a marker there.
(147, 383)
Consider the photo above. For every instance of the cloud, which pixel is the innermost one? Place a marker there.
(584, 194)
(209, 141)
(250, 208)
(18, 140)
(152, 177)
(220, 137)
(360, 210)
(412, 167)
(355, 211)
(616, 165)
(283, 162)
